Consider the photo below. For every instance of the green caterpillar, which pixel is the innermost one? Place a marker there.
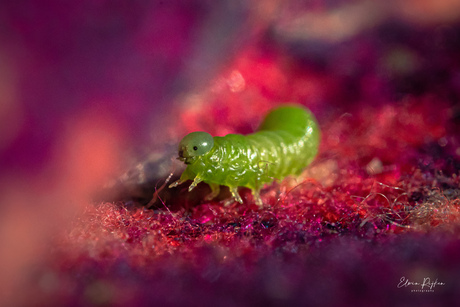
(285, 143)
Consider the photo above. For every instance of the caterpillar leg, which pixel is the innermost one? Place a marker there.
(257, 199)
(215, 190)
(194, 183)
(176, 183)
(235, 194)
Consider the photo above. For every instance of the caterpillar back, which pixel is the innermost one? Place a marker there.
(285, 143)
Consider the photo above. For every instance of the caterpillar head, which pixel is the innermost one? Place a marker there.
(193, 145)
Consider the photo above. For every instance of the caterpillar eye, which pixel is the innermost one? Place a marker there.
(195, 148)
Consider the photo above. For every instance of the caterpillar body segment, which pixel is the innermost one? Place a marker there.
(285, 143)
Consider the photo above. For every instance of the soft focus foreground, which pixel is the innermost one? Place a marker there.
(85, 89)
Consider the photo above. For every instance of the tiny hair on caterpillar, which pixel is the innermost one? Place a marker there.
(285, 143)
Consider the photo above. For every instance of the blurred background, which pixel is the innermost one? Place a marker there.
(92, 89)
